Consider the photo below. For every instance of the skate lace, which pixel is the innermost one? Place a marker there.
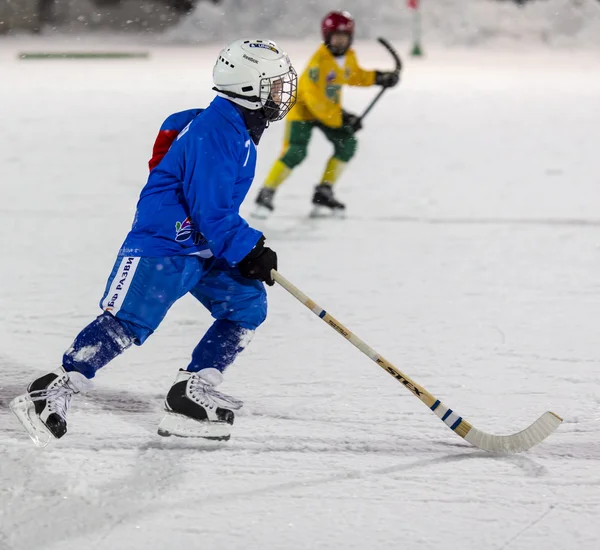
(58, 398)
(207, 396)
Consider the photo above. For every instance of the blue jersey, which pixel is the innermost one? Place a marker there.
(191, 202)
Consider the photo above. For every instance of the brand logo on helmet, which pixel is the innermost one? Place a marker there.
(250, 58)
(264, 46)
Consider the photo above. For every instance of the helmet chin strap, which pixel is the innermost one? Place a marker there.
(270, 109)
(253, 103)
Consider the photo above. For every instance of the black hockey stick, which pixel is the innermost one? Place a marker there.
(397, 70)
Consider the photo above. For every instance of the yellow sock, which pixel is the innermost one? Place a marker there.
(278, 174)
(333, 171)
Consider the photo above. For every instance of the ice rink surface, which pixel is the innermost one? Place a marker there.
(469, 259)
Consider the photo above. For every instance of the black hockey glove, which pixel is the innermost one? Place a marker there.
(351, 123)
(259, 262)
(386, 79)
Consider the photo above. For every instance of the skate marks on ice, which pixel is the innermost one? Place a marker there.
(95, 513)
(304, 228)
(529, 526)
(88, 484)
(294, 226)
(396, 472)
(289, 228)
(139, 414)
(79, 486)
(442, 220)
(91, 486)
(53, 497)
(98, 486)
(293, 223)
(100, 483)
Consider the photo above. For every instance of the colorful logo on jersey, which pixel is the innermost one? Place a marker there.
(347, 73)
(331, 76)
(333, 93)
(264, 46)
(183, 231)
(186, 230)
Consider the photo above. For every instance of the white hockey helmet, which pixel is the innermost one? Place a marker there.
(256, 74)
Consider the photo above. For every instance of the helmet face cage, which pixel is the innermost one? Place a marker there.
(278, 94)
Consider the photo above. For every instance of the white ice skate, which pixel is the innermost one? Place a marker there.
(43, 409)
(193, 408)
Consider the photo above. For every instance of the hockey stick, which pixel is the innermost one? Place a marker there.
(515, 443)
(397, 70)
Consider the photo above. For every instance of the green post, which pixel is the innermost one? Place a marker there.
(417, 50)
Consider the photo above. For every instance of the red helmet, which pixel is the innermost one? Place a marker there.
(337, 21)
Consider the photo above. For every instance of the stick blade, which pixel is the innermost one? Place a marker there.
(388, 46)
(519, 442)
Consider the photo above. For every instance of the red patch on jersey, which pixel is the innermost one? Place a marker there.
(163, 143)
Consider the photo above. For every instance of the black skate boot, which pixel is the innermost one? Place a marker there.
(43, 409)
(264, 203)
(325, 204)
(193, 408)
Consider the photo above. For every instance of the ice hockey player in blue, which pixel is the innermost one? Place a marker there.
(187, 237)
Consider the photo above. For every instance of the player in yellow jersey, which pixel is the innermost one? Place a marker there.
(319, 105)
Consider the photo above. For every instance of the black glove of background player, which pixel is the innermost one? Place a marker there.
(351, 123)
(387, 79)
(259, 262)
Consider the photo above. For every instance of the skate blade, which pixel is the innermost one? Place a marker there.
(182, 426)
(261, 212)
(24, 409)
(319, 211)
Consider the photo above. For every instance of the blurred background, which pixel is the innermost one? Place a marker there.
(571, 23)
